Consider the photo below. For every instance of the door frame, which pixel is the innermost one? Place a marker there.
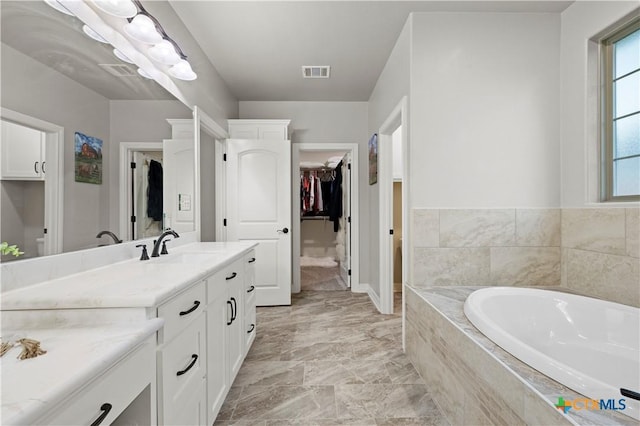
(203, 122)
(53, 180)
(126, 156)
(398, 117)
(351, 148)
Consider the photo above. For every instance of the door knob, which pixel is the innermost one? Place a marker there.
(284, 230)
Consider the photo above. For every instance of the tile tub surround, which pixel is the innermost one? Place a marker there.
(595, 251)
(328, 359)
(486, 247)
(473, 380)
(601, 253)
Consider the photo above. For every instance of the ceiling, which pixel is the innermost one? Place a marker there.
(259, 47)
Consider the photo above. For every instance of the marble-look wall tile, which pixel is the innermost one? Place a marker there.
(609, 277)
(538, 227)
(633, 232)
(453, 266)
(426, 228)
(525, 266)
(477, 228)
(601, 230)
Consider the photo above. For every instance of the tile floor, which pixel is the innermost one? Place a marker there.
(328, 359)
(321, 278)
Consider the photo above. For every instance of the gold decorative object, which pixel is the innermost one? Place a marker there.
(4, 347)
(31, 349)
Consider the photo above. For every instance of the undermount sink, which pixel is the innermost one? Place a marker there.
(185, 258)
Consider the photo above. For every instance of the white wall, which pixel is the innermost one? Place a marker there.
(33, 89)
(581, 22)
(330, 122)
(22, 218)
(136, 121)
(484, 110)
(392, 85)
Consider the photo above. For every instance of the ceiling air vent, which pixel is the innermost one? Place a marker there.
(119, 70)
(316, 71)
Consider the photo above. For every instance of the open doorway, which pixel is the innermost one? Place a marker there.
(392, 177)
(325, 225)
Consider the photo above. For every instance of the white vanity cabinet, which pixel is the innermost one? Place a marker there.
(182, 358)
(225, 338)
(259, 129)
(250, 323)
(22, 152)
(104, 399)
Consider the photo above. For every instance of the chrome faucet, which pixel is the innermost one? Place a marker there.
(111, 234)
(158, 242)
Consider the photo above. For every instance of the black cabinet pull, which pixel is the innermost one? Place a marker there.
(251, 289)
(194, 358)
(630, 394)
(234, 315)
(43, 170)
(232, 276)
(196, 303)
(253, 327)
(35, 167)
(231, 320)
(105, 408)
(253, 259)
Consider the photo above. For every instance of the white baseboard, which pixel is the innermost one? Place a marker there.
(374, 298)
(359, 287)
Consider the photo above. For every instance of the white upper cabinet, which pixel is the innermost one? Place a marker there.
(259, 129)
(22, 151)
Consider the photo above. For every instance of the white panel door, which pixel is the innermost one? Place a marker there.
(259, 209)
(178, 184)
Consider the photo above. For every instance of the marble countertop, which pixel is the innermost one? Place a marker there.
(129, 284)
(32, 387)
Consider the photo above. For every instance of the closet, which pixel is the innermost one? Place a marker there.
(323, 248)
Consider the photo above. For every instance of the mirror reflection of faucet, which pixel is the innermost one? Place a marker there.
(113, 236)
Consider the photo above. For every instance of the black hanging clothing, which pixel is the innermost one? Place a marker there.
(326, 196)
(335, 207)
(154, 191)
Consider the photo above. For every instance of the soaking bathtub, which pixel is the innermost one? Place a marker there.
(589, 345)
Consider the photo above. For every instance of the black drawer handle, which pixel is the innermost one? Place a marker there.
(196, 303)
(35, 166)
(43, 170)
(253, 327)
(251, 289)
(231, 320)
(105, 408)
(232, 276)
(194, 358)
(253, 259)
(234, 310)
(630, 394)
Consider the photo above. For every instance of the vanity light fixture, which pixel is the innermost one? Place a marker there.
(164, 53)
(117, 8)
(94, 35)
(122, 56)
(144, 74)
(143, 29)
(182, 70)
(57, 6)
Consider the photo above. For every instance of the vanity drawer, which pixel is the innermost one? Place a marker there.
(180, 311)
(250, 326)
(181, 367)
(109, 395)
(230, 275)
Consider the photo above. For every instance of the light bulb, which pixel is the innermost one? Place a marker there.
(143, 29)
(122, 56)
(164, 52)
(59, 7)
(144, 74)
(94, 35)
(182, 71)
(117, 8)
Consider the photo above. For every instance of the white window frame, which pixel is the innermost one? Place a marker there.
(607, 138)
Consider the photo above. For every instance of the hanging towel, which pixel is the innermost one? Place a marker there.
(154, 191)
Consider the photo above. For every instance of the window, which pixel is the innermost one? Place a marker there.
(621, 115)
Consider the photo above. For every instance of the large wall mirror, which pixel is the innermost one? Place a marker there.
(54, 74)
